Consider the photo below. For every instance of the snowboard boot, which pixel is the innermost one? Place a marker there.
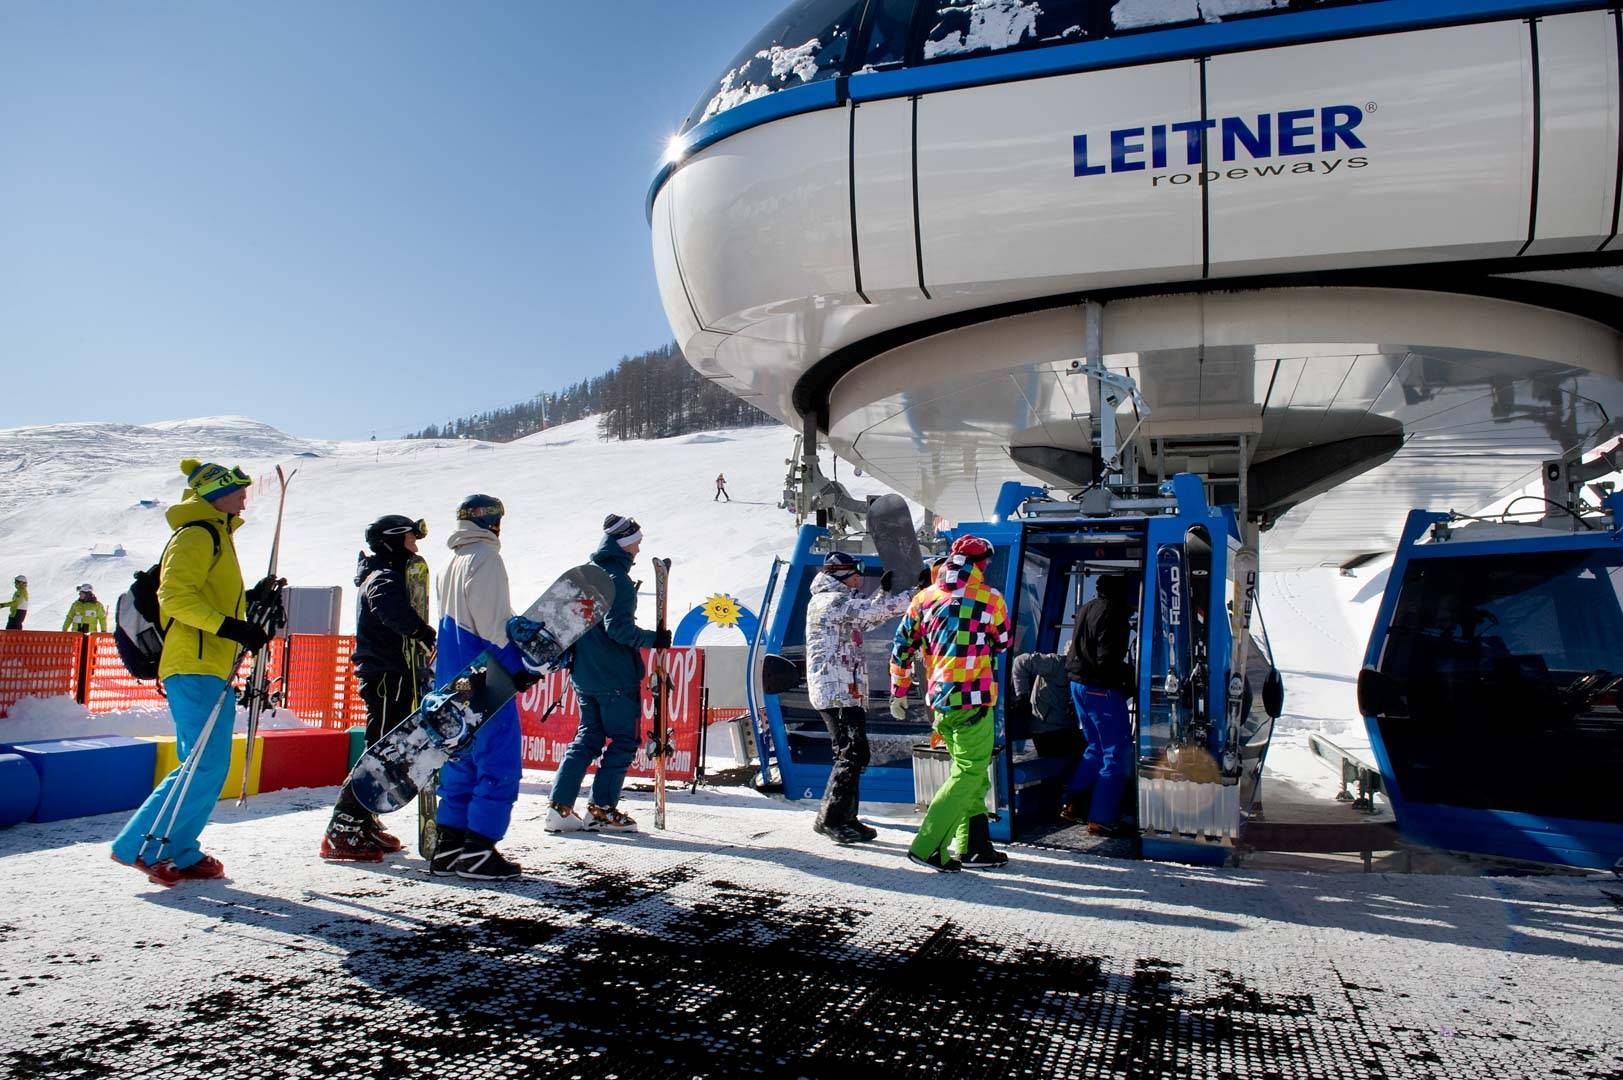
(480, 861)
(609, 819)
(347, 840)
(981, 854)
(868, 832)
(562, 819)
(839, 832)
(162, 872)
(208, 868)
(386, 841)
(936, 862)
(448, 845)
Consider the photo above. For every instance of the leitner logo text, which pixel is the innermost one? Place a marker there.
(1286, 133)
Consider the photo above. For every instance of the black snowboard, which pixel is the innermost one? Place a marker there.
(890, 525)
(779, 674)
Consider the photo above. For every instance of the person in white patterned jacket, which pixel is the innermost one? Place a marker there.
(836, 616)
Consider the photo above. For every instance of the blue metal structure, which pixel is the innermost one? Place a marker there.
(1194, 788)
(1488, 687)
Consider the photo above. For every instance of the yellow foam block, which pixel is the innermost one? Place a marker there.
(168, 759)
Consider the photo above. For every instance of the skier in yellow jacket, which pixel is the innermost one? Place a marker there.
(86, 615)
(202, 609)
(18, 603)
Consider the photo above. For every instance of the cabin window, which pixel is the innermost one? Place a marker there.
(957, 28)
(806, 43)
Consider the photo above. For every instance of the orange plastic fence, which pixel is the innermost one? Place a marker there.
(110, 688)
(38, 663)
(320, 684)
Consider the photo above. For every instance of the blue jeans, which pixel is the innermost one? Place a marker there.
(610, 718)
(1105, 763)
(478, 788)
(192, 698)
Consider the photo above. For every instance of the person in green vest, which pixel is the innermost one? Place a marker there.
(86, 615)
(18, 603)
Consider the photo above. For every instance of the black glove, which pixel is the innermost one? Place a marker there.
(246, 634)
(662, 639)
(524, 678)
(425, 637)
(924, 577)
(265, 602)
(886, 580)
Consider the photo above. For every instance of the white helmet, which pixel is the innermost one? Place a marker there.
(21, 579)
(87, 587)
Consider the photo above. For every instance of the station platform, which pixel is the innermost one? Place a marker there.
(738, 942)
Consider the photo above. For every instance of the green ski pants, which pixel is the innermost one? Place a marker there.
(968, 735)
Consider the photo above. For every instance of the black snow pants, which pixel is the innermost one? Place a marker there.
(389, 698)
(848, 731)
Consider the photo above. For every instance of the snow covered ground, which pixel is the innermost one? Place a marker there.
(738, 942)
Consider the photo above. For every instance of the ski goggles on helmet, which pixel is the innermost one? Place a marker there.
(214, 481)
(418, 528)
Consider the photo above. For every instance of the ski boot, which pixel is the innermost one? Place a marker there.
(980, 854)
(609, 819)
(208, 868)
(562, 819)
(936, 862)
(347, 840)
(480, 861)
(841, 832)
(162, 872)
(867, 832)
(448, 846)
(386, 841)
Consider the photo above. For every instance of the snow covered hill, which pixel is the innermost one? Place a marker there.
(68, 489)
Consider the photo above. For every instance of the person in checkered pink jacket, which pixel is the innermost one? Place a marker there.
(959, 624)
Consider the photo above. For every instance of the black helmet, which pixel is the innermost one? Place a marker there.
(389, 532)
(486, 510)
(839, 564)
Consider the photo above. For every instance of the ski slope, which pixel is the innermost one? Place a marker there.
(68, 489)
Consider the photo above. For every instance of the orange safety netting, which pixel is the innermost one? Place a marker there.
(320, 686)
(110, 688)
(38, 663)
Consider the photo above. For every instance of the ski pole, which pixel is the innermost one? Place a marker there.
(256, 679)
(176, 797)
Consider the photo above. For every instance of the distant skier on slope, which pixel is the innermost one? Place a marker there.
(387, 629)
(202, 604)
(960, 624)
(608, 677)
(18, 603)
(837, 676)
(721, 488)
(478, 789)
(86, 614)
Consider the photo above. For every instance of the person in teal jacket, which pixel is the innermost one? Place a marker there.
(608, 677)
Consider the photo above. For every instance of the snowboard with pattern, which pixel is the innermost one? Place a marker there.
(392, 771)
(890, 525)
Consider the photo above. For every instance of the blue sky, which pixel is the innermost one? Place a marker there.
(333, 217)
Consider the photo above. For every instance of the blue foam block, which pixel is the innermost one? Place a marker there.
(96, 774)
(19, 789)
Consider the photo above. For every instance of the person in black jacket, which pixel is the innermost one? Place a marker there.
(1101, 679)
(390, 637)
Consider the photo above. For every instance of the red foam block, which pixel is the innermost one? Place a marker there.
(307, 757)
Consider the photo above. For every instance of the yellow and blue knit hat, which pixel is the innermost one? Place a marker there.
(213, 481)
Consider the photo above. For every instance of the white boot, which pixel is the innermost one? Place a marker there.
(561, 819)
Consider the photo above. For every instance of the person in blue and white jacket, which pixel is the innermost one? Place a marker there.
(479, 786)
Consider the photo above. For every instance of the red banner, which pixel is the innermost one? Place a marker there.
(545, 743)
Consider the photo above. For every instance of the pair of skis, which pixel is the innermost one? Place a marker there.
(1183, 580)
(255, 695)
(659, 684)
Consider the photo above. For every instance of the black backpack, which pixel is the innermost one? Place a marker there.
(135, 616)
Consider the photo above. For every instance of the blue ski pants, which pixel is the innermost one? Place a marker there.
(609, 719)
(192, 699)
(1105, 763)
(478, 787)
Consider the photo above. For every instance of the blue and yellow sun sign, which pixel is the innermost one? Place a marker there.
(719, 609)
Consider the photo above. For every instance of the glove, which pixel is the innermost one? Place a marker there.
(265, 602)
(246, 634)
(264, 588)
(898, 708)
(662, 639)
(524, 678)
(424, 637)
(886, 580)
(924, 577)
